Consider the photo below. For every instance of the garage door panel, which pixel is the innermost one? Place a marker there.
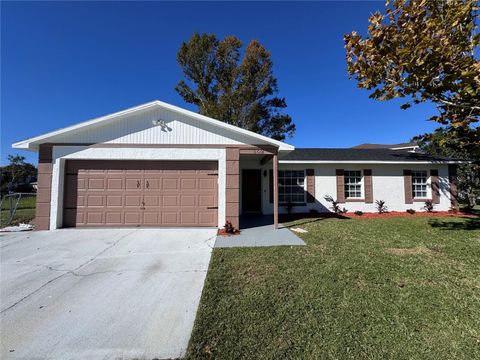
(207, 217)
(114, 200)
(170, 184)
(115, 184)
(169, 217)
(188, 184)
(96, 184)
(140, 193)
(133, 200)
(95, 200)
(152, 184)
(132, 218)
(188, 217)
(94, 218)
(150, 218)
(114, 218)
(208, 200)
(81, 184)
(188, 200)
(207, 184)
(169, 200)
(152, 200)
(80, 200)
(133, 184)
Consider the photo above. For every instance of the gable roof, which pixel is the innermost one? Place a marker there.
(32, 143)
(333, 155)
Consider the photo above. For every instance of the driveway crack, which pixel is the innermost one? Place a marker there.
(66, 272)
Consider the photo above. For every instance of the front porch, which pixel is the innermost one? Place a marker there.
(251, 184)
(258, 191)
(257, 230)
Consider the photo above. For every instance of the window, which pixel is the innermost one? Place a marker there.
(353, 184)
(291, 186)
(419, 184)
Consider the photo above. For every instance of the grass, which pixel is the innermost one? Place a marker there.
(25, 211)
(400, 288)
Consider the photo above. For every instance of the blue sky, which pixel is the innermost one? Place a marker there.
(63, 63)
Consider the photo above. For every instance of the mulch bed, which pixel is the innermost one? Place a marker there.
(374, 215)
(223, 232)
(395, 214)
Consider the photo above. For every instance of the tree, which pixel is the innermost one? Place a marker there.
(444, 143)
(424, 50)
(16, 174)
(225, 86)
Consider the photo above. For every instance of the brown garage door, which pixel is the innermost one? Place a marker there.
(140, 193)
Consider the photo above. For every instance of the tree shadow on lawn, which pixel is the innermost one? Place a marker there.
(467, 224)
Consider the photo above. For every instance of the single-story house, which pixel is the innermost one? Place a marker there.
(160, 165)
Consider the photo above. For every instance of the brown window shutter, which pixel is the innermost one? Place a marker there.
(452, 180)
(270, 185)
(310, 185)
(367, 176)
(340, 185)
(407, 181)
(435, 186)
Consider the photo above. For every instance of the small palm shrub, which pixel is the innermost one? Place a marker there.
(428, 205)
(335, 205)
(381, 207)
(359, 213)
(411, 211)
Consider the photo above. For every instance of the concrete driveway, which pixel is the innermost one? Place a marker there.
(101, 294)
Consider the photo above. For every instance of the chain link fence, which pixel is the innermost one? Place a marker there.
(17, 208)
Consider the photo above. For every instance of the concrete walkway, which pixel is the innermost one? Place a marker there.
(101, 294)
(257, 232)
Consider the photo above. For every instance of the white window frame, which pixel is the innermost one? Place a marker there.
(281, 186)
(426, 184)
(361, 184)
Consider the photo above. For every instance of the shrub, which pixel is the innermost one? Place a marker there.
(411, 211)
(381, 208)
(428, 205)
(335, 205)
(359, 213)
(313, 211)
(229, 229)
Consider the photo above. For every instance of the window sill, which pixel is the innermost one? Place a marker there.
(354, 200)
(421, 200)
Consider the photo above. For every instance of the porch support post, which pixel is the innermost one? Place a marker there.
(275, 191)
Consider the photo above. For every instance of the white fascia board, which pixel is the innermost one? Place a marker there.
(27, 144)
(368, 162)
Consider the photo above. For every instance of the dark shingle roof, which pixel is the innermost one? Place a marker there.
(332, 154)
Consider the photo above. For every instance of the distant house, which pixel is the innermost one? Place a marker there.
(161, 165)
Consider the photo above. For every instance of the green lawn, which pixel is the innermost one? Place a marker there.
(404, 288)
(25, 211)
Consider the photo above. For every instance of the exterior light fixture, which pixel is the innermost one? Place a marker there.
(159, 123)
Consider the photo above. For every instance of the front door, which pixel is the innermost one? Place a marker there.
(251, 190)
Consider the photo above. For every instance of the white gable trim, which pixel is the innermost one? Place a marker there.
(32, 143)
